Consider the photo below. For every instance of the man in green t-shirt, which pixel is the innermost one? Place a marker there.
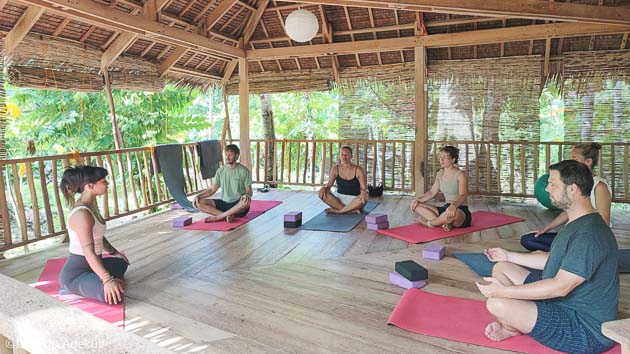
(564, 306)
(235, 182)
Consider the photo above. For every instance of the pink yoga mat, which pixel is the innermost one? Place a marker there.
(49, 283)
(461, 320)
(481, 220)
(257, 208)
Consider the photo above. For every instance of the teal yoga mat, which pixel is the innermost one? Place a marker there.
(337, 222)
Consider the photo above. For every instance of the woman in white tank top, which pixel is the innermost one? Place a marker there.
(86, 273)
(588, 154)
(453, 183)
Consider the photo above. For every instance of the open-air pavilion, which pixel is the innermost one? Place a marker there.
(263, 288)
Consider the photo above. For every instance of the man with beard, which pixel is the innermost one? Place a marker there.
(564, 307)
(235, 182)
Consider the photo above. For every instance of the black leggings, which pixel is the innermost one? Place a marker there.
(540, 243)
(78, 278)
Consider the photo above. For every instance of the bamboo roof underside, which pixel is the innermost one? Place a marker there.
(199, 42)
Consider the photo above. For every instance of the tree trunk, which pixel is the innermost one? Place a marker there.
(270, 134)
(617, 109)
(118, 138)
(587, 117)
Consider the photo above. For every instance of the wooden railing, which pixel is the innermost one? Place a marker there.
(512, 168)
(31, 201)
(308, 162)
(30, 197)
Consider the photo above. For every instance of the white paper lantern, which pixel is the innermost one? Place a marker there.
(301, 25)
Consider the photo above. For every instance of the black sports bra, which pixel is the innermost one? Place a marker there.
(348, 186)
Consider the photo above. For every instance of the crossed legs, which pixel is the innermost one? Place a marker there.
(513, 317)
(430, 216)
(209, 207)
(337, 206)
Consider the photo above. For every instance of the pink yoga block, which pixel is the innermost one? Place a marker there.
(379, 226)
(293, 216)
(403, 282)
(182, 221)
(376, 218)
(433, 251)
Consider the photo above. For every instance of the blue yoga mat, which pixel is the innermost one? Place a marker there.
(337, 222)
(478, 262)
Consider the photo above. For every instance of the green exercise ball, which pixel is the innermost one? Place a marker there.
(541, 194)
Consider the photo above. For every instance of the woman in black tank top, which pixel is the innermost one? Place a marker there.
(356, 186)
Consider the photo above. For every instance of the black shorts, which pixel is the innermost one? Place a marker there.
(464, 208)
(224, 206)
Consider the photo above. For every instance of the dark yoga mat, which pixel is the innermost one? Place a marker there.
(624, 261)
(478, 262)
(170, 159)
(337, 222)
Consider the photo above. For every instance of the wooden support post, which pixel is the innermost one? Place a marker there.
(421, 116)
(118, 140)
(243, 108)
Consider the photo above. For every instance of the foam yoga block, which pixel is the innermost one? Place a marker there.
(176, 206)
(401, 281)
(411, 270)
(433, 251)
(182, 221)
(293, 216)
(379, 226)
(293, 224)
(376, 218)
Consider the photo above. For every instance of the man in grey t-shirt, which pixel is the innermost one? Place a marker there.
(579, 288)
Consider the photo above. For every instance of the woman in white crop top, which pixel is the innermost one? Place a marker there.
(588, 154)
(453, 183)
(86, 273)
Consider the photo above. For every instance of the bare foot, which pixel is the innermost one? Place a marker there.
(497, 332)
(331, 211)
(424, 221)
(447, 227)
(229, 218)
(357, 211)
(211, 218)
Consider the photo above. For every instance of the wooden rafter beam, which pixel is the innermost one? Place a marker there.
(217, 13)
(61, 26)
(162, 4)
(104, 16)
(167, 64)
(117, 48)
(22, 27)
(229, 70)
(194, 73)
(2, 3)
(521, 33)
(253, 21)
(150, 10)
(533, 9)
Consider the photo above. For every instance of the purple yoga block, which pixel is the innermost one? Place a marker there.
(376, 218)
(433, 251)
(182, 221)
(176, 206)
(403, 282)
(379, 226)
(293, 216)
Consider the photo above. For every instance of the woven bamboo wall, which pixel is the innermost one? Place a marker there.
(42, 62)
(597, 104)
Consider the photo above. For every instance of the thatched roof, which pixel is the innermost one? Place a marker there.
(198, 42)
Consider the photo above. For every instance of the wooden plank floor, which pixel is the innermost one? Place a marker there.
(263, 289)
